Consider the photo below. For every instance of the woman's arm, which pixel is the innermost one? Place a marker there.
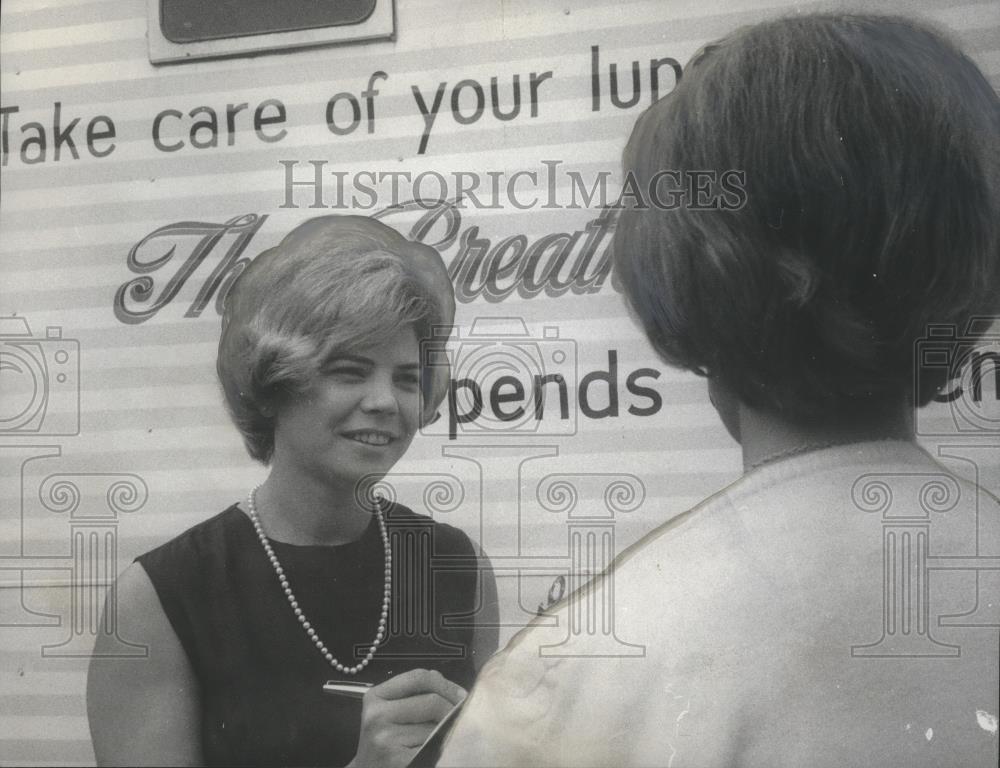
(486, 635)
(143, 711)
(398, 715)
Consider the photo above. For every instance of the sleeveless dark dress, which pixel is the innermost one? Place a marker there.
(261, 677)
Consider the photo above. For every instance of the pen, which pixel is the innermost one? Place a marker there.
(352, 690)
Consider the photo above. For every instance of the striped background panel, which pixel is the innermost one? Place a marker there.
(153, 451)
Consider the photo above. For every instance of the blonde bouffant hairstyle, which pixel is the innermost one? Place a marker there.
(334, 284)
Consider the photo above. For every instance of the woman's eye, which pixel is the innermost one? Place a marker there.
(409, 380)
(346, 371)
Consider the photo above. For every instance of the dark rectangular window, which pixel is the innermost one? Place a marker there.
(189, 21)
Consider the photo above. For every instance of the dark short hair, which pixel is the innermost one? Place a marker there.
(870, 151)
(333, 285)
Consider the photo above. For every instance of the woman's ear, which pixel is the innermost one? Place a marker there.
(433, 395)
(726, 404)
(428, 417)
(435, 377)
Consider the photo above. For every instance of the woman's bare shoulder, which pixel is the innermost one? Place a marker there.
(143, 705)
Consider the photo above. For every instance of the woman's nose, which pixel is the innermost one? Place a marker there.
(380, 397)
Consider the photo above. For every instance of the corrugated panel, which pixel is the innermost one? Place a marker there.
(154, 452)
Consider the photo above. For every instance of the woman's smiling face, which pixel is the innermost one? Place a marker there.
(357, 418)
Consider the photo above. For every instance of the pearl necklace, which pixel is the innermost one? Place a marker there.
(386, 594)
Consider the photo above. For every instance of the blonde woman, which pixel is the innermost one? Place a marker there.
(248, 614)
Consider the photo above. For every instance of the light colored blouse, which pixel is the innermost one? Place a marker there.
(836, 608)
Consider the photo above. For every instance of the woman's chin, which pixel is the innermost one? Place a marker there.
(361, 461)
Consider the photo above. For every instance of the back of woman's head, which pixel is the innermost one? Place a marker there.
(871, 167)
